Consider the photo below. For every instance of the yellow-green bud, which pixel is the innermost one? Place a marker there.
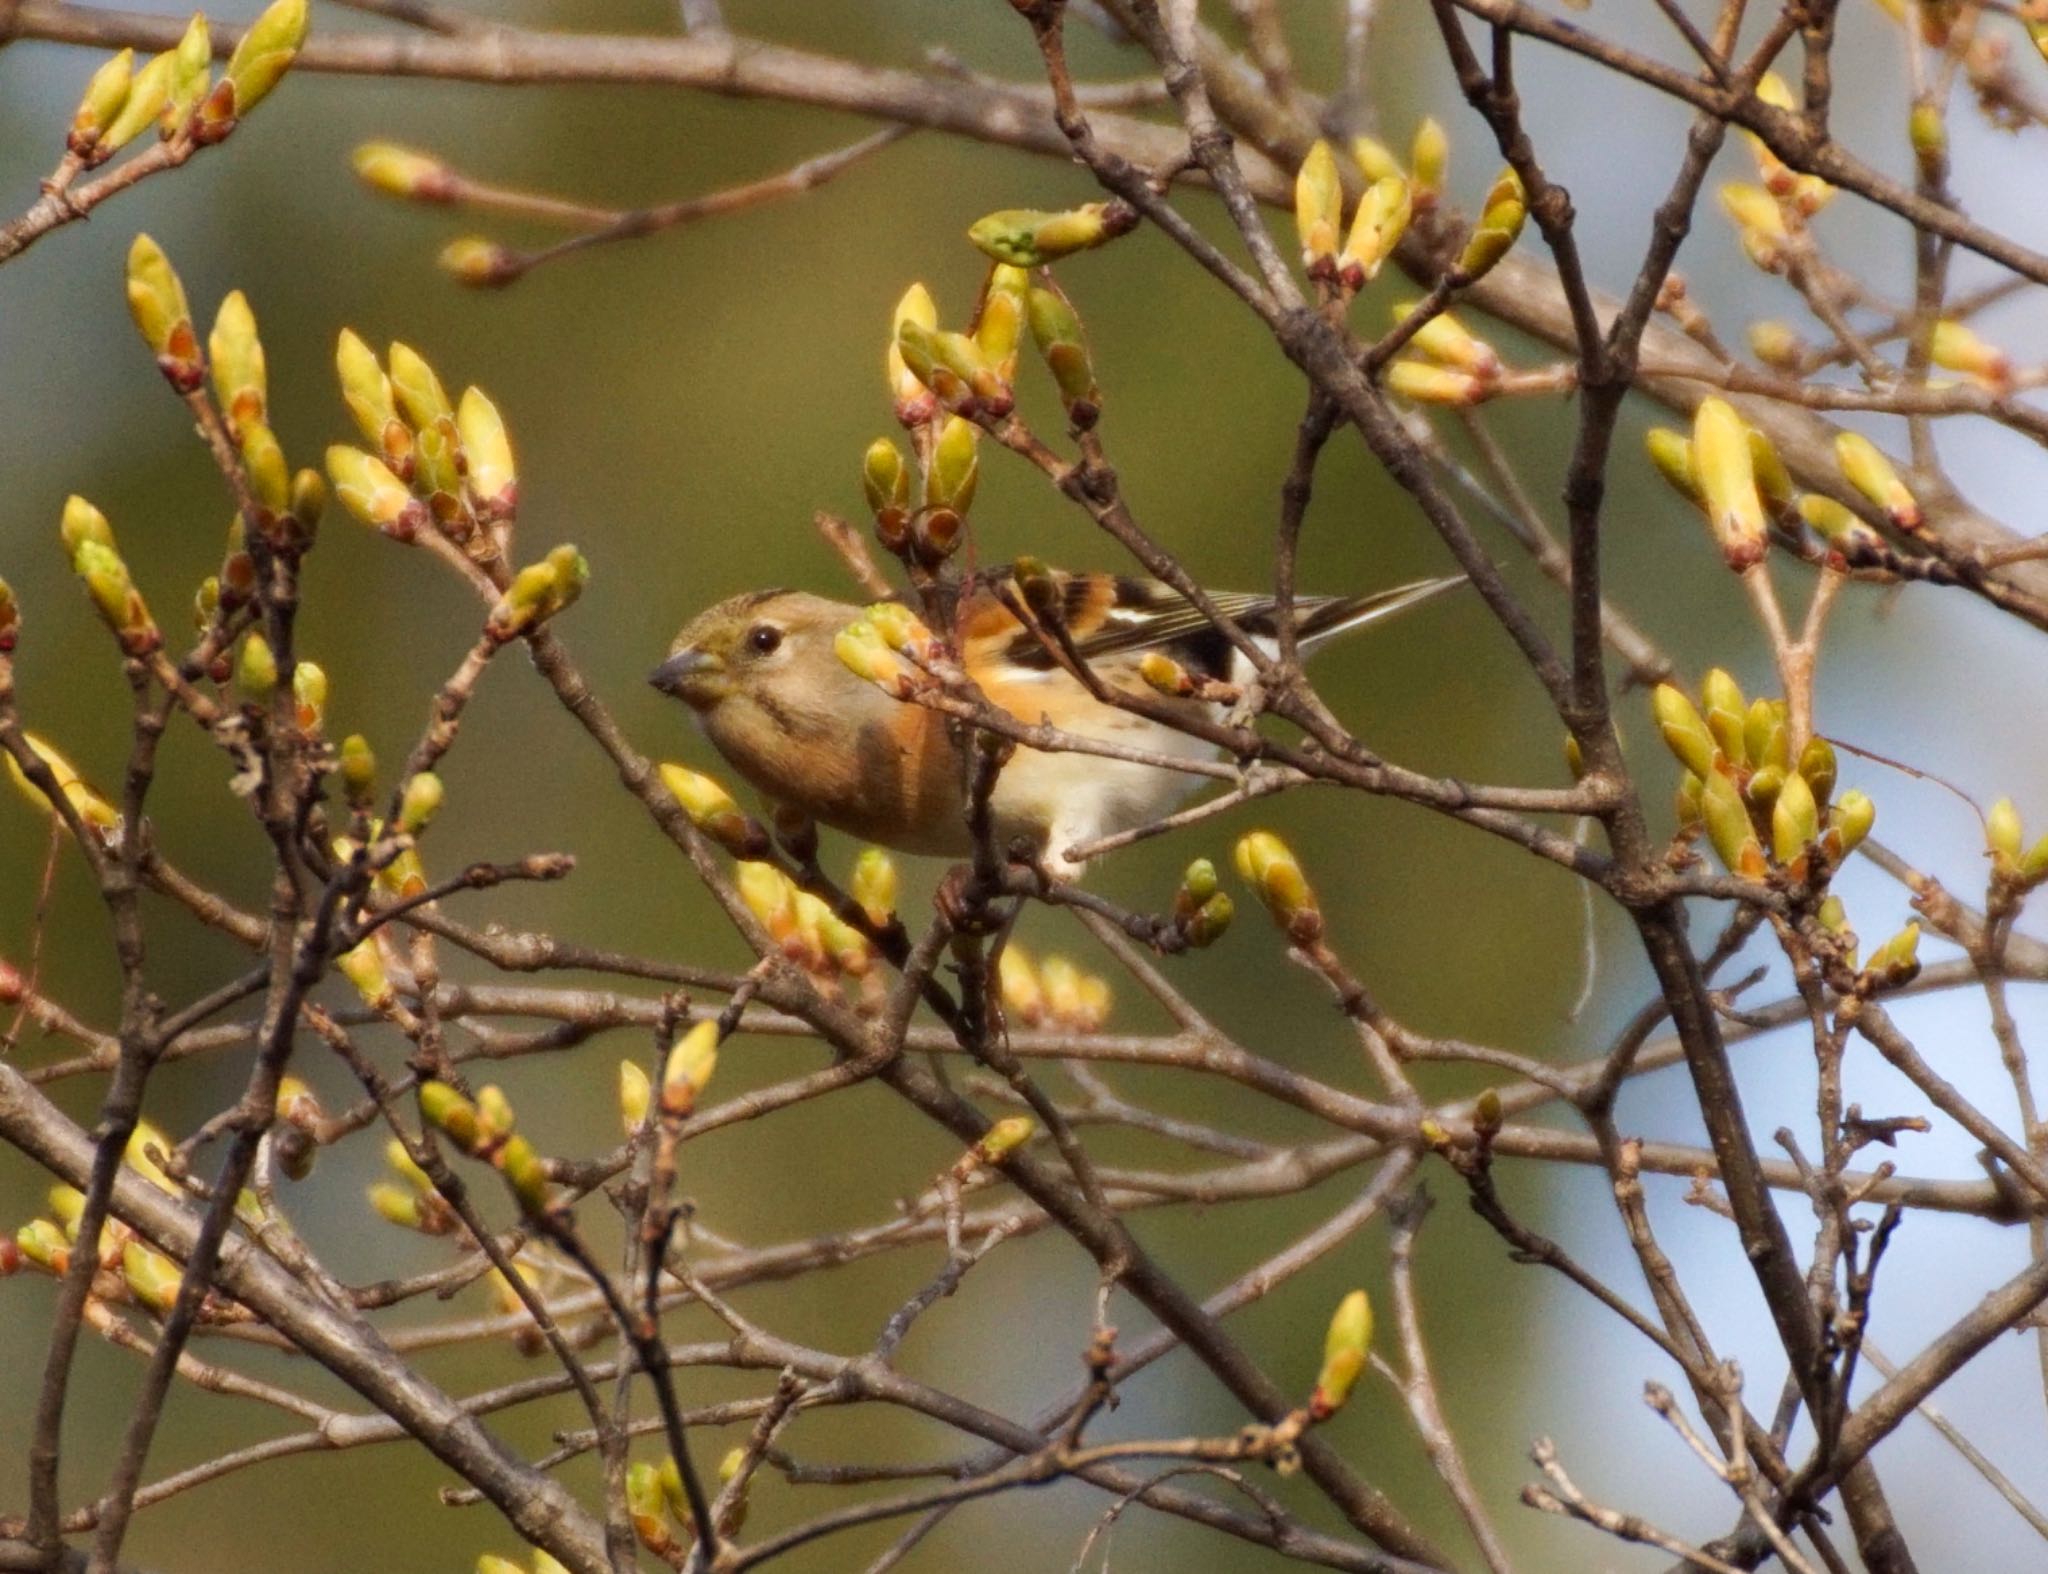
(363, 966)
(1671, 453)
(264, 463)
(1028, 238)
(240, 382)
(358, 767)
(1429, 156)
(1269, 867)
(1795, 820)
(1345, 1347)
(1773, 480)
(955, 466)
(688, 1069)
(1759, 222)
(861, 650)
(1766, 737)
(266, 52)
(1840, 528)
(191, 73)
(1897, 961)
(152, 1278)
(636, 1094)
(421, 398)
(1319, 210)
(1208, 924)
(1721, 454)
(88, 805)
(1017, 981)
(479, 262)
(1776, 345)
(1427, 384)
(914, 402)
(712, 810)
(420, 802)
(2003, 836)
(999, 326)
(885, 480)
(82, 523)
(525, 1172)
(256, 669)
(104, 96)
(1375, 159)
(487, 447)
(1685, 732)
(1849, 821)
(401, 172)
(367, 391)
(1927, 131)
(369, 490)
(156, 300)
(1761, 790)
(902, 630)
(874, 886)
(1728, 828)
(1499, 227)
(647, 1508)
(1060, 982)
(1446, 341)
(1817, 765)
(1004, 1138)
(1958, 348)
(43, 1244)
(1376, 229)
(447, 1111)
(1865, 467)
(148, 91)
(1056, 330)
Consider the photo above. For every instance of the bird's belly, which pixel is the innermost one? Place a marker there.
(1072, 797)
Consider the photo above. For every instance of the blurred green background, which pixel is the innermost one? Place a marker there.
(681, 406)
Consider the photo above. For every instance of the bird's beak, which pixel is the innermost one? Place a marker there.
(683, 674)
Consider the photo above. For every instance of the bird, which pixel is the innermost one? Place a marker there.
(762, 677)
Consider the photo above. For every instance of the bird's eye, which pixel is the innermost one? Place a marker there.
(763, 638)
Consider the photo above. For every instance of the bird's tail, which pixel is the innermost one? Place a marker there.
(1342, 614)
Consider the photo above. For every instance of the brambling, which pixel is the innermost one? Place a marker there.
(761, 674)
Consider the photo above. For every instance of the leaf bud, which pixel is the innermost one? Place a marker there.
(2003, 837)
(369, 490)
(1776, 346)
(235, 352)
(421, 399)
(1849, 821)
(636, 1093)
(420, 802)
(885, 480)
(1671, 453)
(1685, 733)
(1795, 820)
(265, 52)
(156, 300)
(363, 966)
(487, 449)
(1728, 828)
(688, 1068)
(1345, 1347)
(861, 650)
(479, 262)
(1897, 961)
(1835, 524)
(1028, 238)
(712, 810)
(1446, 341)
(874, 886)
(447, 1111)
(89, 806)
(1958, 348)
(1017, 981)
(152, 1278)
(955, 466)
(1865, 467)
(1319, 210)
(1817, 765)
(1267, 865)
(1376, 229)
(1721, 454)
(1429, 156)
(525, 1172)
(366, 390)
(1375, 159)
(914, 402)
(105, 94)
(1003, 1138)
(191, 74)
(402, 172)
(256, 670)
(999, 325)
(1056, 330)
(1427, 384)
(1499, 227)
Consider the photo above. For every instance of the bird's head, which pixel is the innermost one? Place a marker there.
(759, 670)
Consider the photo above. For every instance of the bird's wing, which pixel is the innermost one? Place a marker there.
(1111, 614)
